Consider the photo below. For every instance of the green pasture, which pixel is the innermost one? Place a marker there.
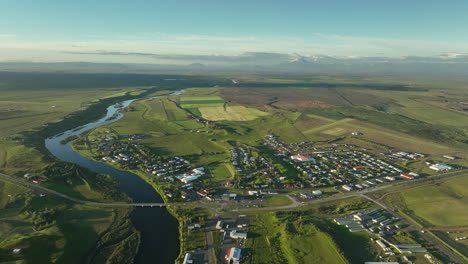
(443, 204)
(291, 237)
(69, 236)
(201, 101)
(411, 104)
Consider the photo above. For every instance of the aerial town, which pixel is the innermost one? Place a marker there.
(311, 171)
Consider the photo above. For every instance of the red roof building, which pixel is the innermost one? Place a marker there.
(406, 176)
(302, 157)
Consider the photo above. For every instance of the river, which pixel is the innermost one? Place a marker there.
(158, 228)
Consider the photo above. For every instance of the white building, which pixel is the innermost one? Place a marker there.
(347, 188)
(440, 167)
(219, 225)
(234, 234)
(317, 193)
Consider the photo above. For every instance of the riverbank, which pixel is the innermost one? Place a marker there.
(49, 229)
(92, 113)
(182, 215)
(161, 244)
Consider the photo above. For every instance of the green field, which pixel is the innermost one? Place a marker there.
(201, 101)
(277, 201)
(276, 241)
(444, 204)
(374, 133)
(50, 230)
(414, 105)
(298, 237)
(232, 113)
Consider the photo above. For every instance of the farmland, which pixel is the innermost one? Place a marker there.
(442, 204)
(32, 107)
(231, 113)
(234, 146)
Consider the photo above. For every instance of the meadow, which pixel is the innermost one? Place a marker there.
(51, 230)
(417, 105)
(443, 204)
(231, 113)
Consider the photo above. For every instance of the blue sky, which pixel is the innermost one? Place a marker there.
(47, 28)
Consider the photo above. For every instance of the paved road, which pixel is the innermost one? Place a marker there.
(42, 189)
(295, 204)
(210, 248)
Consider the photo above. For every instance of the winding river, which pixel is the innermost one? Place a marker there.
(158, 228)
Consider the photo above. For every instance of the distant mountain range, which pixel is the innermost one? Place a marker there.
(445, 64)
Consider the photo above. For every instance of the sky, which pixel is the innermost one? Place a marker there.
(124, 31)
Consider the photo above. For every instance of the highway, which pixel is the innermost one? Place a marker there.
(294, 204)
(45, 190)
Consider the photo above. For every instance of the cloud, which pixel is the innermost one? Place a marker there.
(392, 47)
(248, 57)
(182, 48)
(3, 36)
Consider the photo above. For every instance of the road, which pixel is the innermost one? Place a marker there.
(294, 204)
(42, 189)
(209, 246)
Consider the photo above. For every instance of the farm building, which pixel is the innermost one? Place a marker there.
(360, 217)
(347, 187)
(410, 248)
(233, 255)
(449, 157)
(302, 157)
(382, 245)
(440, 167)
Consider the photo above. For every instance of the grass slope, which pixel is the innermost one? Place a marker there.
(280, 238)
